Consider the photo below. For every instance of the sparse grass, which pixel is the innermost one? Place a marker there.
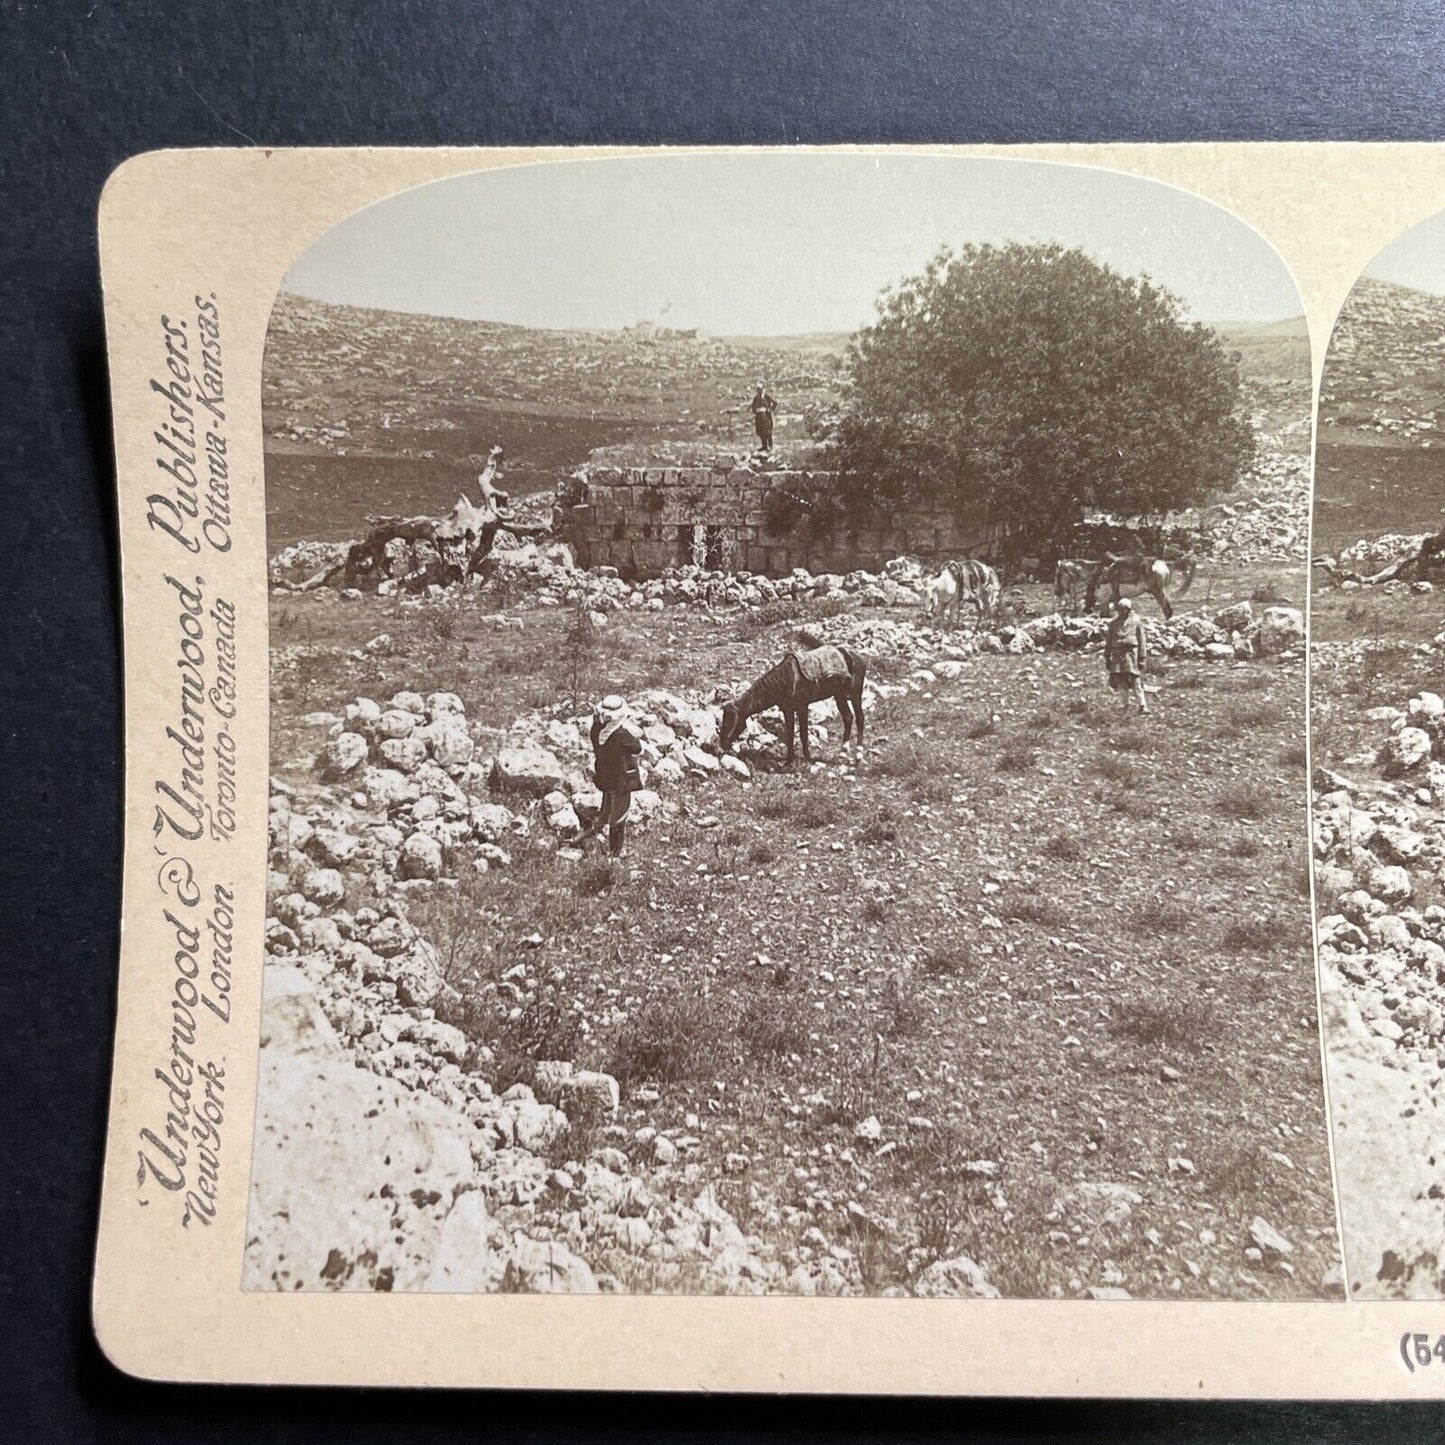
(945, 1152)
(928, 790)
(1130, 739)
(597, 877)
(983, 726)
(1294, 755)
(813, 810)
(773, 1026)
(1243, 717)
(904, 1008)
(1031, 908)
(880, 828)
(874, 910)
(1244, 845)
(1132, 805)
(1261, 935)
(1241, 802)
(1117, 770)
(1160, 1020)
(1064, 847)
(1016, 755)
(443, 623)
(1162, 915)
(908, 758)
(1268, 595)
(1238, 1175)
(672, 1037)
(802, 807)
(949, 960)
(760, 854)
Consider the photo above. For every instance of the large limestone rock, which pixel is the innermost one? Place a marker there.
(1404, 750)
(529, 768)
(1235, 618)
(291, 1017)
(353, 1175)
(421, 857)
(344, 752)
(448, 739)
(958, 1278)
(1278, 629)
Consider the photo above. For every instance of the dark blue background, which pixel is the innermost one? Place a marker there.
(85, 85)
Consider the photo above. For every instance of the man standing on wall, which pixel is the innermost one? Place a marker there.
(763, 407)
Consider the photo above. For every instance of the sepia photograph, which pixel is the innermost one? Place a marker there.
(1378, 738)
(788, 770)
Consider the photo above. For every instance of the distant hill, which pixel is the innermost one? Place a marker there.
(1381, 461)
(370, 411)
(1384, 375)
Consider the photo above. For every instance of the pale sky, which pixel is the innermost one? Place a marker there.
(764, 244)
(1415, 259)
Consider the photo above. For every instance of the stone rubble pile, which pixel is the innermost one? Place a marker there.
(1374, 554)
(385, 1160)
(1233, 633)
(301, 560)
(1266, 517)
(1379, 847)
(385, 1157)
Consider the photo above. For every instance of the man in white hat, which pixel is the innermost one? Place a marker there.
(1125, 654)
(615, 746)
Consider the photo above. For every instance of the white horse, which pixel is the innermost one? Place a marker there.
(969, 580)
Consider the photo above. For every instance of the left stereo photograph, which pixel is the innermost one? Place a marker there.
(787, 741)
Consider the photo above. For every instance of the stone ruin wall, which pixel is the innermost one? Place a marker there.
(644, 519)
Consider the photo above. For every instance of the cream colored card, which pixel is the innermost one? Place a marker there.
(718, 796)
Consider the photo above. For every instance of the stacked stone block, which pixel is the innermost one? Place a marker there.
(642, 520)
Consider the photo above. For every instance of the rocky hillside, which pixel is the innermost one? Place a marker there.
(381, 411)
(351, 382)
(1379, 844)
(1384, 377)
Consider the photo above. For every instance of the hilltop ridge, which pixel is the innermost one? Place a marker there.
(1384, 378)
(368, 410)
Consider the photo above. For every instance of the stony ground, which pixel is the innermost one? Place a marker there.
(1021, 1001)
(1379, 818)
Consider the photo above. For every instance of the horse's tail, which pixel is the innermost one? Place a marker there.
(1184, 568)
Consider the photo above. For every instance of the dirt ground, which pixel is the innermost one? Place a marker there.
(1031, 982)
(1363, 490)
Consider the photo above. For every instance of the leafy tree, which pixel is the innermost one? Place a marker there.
(1023, 386)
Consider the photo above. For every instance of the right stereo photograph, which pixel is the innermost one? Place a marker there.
(1378, 757)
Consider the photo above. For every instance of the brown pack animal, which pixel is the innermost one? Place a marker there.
(798, 681)
(1141, 576)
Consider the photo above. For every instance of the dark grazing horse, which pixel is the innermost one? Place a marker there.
(1152, 576)
(798, 681)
